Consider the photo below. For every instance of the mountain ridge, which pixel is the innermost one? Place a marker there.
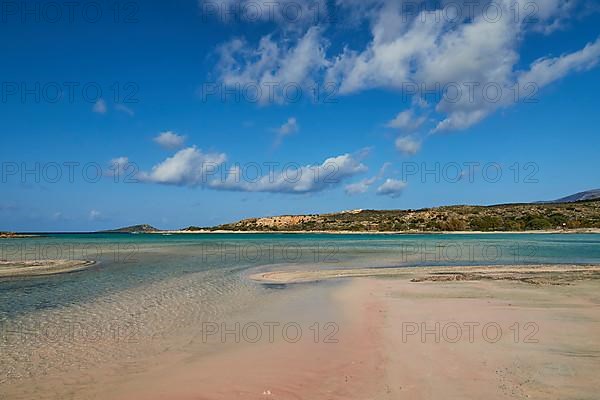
(593, 194)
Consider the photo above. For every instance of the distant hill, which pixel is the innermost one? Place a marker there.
(506, 217)
(581, 196)
(578, 211)
(134, 229)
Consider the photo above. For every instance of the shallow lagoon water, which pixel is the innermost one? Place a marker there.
(126, 262)
(150, 293)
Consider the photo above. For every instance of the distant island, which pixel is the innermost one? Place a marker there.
(134, 229)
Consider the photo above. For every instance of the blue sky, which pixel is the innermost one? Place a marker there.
(401, 92)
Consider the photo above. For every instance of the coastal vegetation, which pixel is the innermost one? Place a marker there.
(503, 218)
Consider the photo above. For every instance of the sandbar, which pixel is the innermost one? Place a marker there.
(13, 269)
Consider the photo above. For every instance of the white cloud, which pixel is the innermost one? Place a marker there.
(547, 70)
(416, 54)
(288, 128)
(95, 215)
(100, 107)
(170, 140)
(122, 169)
(119, 161)
(277, 69)
(542, 72)
(193, 168)
(58, 216)
(406, 121)
(363, 186)
(359, 187)
(392, 188)
(291, 126)
(188, 167)
(550, 15)
(124, 109)
(408, 145)
(306, 179)
(387, 61)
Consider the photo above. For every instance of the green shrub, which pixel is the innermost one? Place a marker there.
(540, 223)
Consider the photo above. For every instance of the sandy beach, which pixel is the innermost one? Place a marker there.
(408, 338)
(470, 332)
(490, 339)
(401, 339)
(507, 332)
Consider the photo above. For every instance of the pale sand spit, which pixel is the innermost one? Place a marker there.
(13, 269)
(535, 274)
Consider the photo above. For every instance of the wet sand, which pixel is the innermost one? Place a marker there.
(14, 269)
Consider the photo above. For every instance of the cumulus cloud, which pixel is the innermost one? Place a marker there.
(58, 216)
(122, 170)
(169, 140)
(95, 215)
(363, 185)
(124, 109)
(406, 121)
(278, 70)
(100, 107)
(306, 179)
(416, 53)
(188, 167)
(392, 188)
(288, 128)
(408, 145)
(291, 126)
(194, 168)
(542, 72)
(119, 163)
(359, 187)
(547, 70)
(551, 15)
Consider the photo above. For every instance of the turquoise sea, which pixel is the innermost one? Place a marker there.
(149, 293)
(128, 261)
